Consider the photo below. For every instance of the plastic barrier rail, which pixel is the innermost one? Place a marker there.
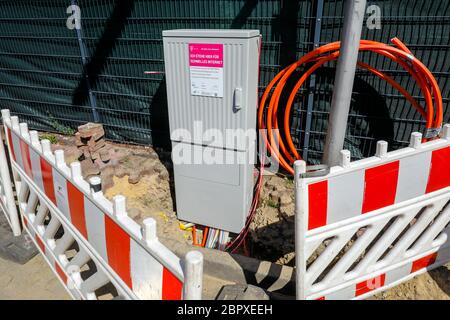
(89, 241)
(371, 224)
(7, 201)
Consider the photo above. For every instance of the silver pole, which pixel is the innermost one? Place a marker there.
(343, 82)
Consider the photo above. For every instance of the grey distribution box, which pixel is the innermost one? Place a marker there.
(212, 85)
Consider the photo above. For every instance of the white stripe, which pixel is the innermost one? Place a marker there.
(29, 228)
(345, 196)
(95, 226)
(36, 168)
(146, 273)
(17, 150)
(343, 294)
(397, 274)
(413, 176)
(60, 187)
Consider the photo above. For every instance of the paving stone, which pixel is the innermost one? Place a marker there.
(88, 168)
(104, 155)
(91, 129)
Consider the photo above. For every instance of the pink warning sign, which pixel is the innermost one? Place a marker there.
(208, 55)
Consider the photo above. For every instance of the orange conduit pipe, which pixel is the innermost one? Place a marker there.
(285, 152)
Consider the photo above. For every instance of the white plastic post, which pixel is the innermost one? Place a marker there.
(300, 229)
(446, 131)
(75, 168)
(34, 139)
(5, 114)
(15, 122)
(382, 148)
(46, 147)
(9, 195)
(193, 276)
(416, 140)
(119, 206)
(24, 131)
(344, 160)
(59, 158)
(149, 230)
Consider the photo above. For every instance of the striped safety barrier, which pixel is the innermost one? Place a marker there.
(371, 224)
(63, 212)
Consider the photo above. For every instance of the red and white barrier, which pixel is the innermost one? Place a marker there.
(130, 255)
(373, 223)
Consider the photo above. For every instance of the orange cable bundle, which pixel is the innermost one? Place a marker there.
(433, 111)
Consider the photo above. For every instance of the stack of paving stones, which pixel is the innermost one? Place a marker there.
(94, 152)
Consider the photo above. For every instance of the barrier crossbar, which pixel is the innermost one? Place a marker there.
(90, 242)
(371, 224)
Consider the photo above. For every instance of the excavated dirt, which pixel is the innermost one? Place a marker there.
(144, 176)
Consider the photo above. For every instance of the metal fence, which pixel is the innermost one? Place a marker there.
(56, 78)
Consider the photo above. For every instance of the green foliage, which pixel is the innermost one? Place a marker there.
(51, 137)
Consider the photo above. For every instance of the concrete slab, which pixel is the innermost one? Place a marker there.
(17, 249)
(33, 280)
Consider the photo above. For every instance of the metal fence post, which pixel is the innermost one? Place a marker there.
(343, 83)
(312, 81)
(84, 61)
(193, 276)
(300, 229)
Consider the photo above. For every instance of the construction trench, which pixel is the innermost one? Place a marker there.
(144, 175)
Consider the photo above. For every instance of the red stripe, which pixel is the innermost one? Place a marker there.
(171, 286)
(11, 146)
(380, 186)
(118, 250)
(25, 221)
(60, 273)
(76, 207)
(25, 151)
(318, 203)
(47, 178)
(423, 262)
(40, 244)
(370, 284)
(439, 170)
(321, 298)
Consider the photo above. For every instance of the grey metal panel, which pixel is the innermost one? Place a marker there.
(207, 201)
(215, 195)
(211, 33)
(221, 173)
(240, 71)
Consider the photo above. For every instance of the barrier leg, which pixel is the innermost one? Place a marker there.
(7, 186)
(193, 276)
